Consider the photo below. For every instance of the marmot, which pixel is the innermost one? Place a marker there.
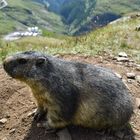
(72, 92)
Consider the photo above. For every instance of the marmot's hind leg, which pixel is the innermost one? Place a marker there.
(53, 124)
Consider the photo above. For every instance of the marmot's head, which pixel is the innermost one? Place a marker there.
(26, 65)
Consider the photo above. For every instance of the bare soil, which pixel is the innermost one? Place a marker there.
(17, 106)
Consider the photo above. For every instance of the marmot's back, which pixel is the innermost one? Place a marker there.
(72, 92)
(102, 95)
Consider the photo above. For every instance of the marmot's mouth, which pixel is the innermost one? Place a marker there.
(8, 70)
(10, 73)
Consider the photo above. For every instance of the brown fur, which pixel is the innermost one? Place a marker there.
(72, 93)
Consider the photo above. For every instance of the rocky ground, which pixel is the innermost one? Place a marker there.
(17, 105)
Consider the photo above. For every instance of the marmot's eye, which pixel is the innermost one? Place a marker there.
(22, 61)
(40, 61)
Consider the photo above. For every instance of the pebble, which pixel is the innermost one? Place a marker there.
(122, 54)
(132, 61)
(119, 63)
(122, 59)
(30, 114)
(118, 75)
(138, 103)
(57, 55)
(101, 59)
(138, 78)
(7, 115)
(138, 28)
(138, 67)
(130, 81)
(131, 75)
(3, 121)
(114, 58)
(130, 64)
(12, 131)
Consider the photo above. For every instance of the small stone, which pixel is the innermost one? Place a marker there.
(137, 65)
(122, 54)
(118, 75)
(120, 63)
(138, 28)
(130, 81)
(12, 131)
(131, 75)
(138, 78)
(57, 55)
(132, 61)
(86, 56)
(138, 68)
(130, 64)
(101, 59)
(7, 115)
(125, 82)
(30, 114)
(138, 103)
(114, 58)
(3, 121)
(32, 103)
(122, 59)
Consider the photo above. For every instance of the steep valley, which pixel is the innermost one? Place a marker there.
(63, 16)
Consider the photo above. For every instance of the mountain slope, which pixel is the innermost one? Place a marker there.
(100, 12)
(71, 17)
(112, 39)
(83, 15)
(20, 14)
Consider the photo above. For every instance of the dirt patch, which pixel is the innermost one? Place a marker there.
(17, 104)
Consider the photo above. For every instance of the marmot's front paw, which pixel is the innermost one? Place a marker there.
(39, 115)
(45, 124)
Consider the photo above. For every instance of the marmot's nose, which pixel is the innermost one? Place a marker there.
(7, 60)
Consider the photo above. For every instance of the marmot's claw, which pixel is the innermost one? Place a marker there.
(39, 115)
(47, 127)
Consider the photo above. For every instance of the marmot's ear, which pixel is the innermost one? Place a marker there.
(41, 60)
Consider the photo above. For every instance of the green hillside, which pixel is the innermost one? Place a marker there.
(20, 13)
(113, 38)
(94, 13)
(71, 17)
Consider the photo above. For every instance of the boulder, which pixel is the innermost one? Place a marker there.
(122, 54)
(131, 75)
(3, 120)
(122, 59)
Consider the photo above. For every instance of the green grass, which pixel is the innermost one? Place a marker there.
(89, 9)
(17, 17)
(112, 39)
